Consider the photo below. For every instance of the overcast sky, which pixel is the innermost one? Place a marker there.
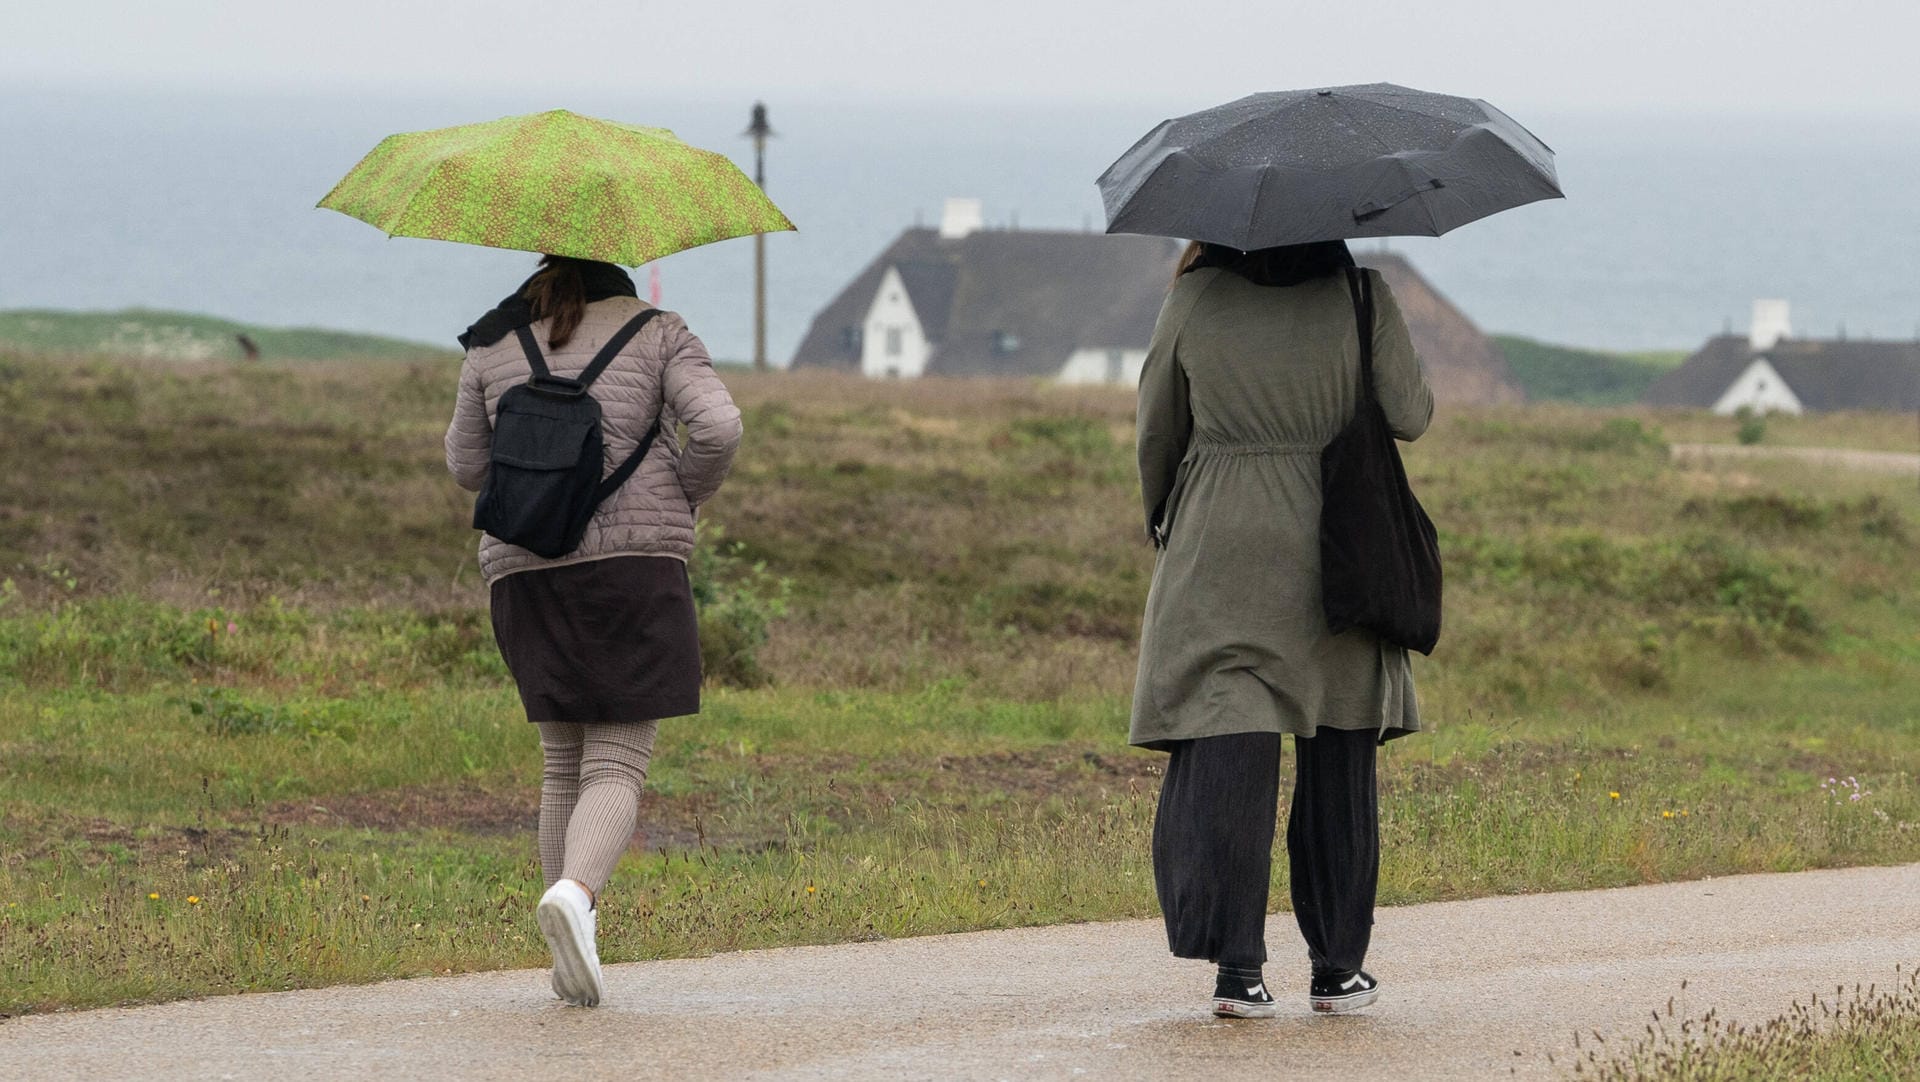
(1680, 55)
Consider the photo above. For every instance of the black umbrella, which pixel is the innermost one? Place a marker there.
(1305, 165)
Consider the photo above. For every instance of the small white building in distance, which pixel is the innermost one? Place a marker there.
(963, 300)
(1770, 371)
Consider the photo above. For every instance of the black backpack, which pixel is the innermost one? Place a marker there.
(543, 481)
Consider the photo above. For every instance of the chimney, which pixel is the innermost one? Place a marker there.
(961, 217)
(1770, 324)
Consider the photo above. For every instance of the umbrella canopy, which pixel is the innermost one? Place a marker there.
(1309, 165)
(558, 183)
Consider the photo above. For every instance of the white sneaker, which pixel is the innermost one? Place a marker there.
(566, 918)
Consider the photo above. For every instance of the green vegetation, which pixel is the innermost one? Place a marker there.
(254, 733)
(1859, 1035)
(183, 336)
(1585, 377)
(1752, 426)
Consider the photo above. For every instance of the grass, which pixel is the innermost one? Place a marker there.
(1586, 377)
(184, 336)
(254, 734)
(1856, 1035)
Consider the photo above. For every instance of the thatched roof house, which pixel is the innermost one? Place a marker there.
(1464, 366)
(1074, 307)
(1767, 370)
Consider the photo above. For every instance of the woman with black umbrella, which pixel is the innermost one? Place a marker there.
(1253, 369)
(1269, 346)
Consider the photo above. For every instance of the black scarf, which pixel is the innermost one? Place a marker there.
(602, 280)
(1287, 265)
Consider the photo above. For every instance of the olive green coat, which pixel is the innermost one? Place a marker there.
(1243, 386)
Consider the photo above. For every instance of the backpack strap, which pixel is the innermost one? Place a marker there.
(625, 470)
(532, 347)
(614, 345)
(530, 343)
(600, 362)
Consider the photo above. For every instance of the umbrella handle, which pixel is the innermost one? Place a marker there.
(1369, 211)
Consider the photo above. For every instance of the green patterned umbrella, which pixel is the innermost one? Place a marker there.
(557, 183)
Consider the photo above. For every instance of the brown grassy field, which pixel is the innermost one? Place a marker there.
(254, 734)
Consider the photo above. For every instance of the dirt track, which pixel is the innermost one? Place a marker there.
(1466, 986)
(1845, 458)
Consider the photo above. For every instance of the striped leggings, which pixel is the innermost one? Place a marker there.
(589, 796)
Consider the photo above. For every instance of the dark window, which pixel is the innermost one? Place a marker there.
(1005, 342)
(850, 337)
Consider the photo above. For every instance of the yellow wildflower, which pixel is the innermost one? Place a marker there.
(1613, 794)
(1666, 815)
(193, 899)
(809, 888)
(153, 896)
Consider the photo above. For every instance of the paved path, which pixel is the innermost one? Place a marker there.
(1466, 985)
(1897, 462)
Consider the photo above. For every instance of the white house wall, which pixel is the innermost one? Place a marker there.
(1761, 390)
(1114, 366)
(892, 342)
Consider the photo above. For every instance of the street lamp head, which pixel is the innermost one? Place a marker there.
(759, 128)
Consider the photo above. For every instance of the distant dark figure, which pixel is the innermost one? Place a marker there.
(1253, 368)
(249, 349)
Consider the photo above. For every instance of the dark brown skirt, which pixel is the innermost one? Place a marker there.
(613, 639)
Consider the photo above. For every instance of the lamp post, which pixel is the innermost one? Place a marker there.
(758, 130)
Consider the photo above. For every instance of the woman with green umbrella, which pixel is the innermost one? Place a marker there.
(598, 630)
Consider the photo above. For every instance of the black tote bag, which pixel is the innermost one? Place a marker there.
(1379, 555)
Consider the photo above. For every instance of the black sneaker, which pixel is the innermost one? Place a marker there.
(1339, 993)
(1234, 997)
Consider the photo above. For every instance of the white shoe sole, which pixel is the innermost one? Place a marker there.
(1231, 1008)
(1345, 1004)
(576, 964)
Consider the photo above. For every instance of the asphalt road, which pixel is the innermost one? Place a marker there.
(1476, 989)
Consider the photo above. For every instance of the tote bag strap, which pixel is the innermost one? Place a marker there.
(1360, 286)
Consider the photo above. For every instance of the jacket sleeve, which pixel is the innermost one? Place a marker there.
(696, 396)
(1164, 422)
(1397, 380)
(470, 435)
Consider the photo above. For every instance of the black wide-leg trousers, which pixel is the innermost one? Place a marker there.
(1213, 846)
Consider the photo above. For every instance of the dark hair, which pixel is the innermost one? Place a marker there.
(559, 291)
(1286, 265)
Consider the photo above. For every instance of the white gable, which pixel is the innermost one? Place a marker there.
(892, 342)
(1761, 390)
(1115, 366)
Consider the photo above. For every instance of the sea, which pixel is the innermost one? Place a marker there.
(1672, 225)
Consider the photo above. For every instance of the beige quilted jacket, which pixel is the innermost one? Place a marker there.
(664, 365)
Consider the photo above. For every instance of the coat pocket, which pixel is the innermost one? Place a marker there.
(1164, 529)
